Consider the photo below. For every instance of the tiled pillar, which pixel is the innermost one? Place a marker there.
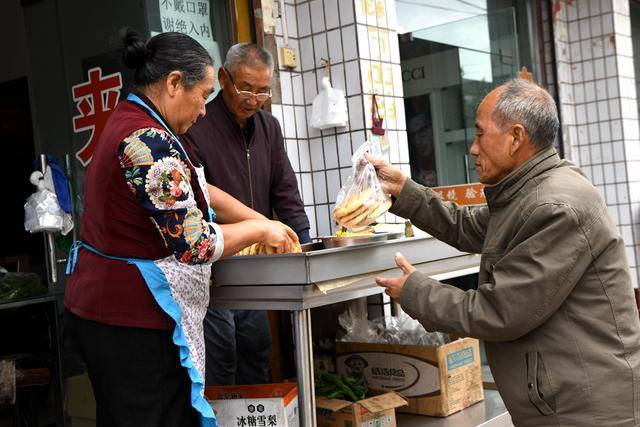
(598, 106)
(360, 39)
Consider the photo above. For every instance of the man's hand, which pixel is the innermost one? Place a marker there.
(394, 285)
(392, 179)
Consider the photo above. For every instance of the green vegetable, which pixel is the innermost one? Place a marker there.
(338, 387)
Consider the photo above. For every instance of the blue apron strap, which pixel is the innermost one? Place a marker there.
(72, 258)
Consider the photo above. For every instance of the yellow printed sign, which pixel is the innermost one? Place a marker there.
(465, 194)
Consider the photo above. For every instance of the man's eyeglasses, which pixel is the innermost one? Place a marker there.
(245, 94)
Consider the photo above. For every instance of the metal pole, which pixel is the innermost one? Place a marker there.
(304, 368)
(312, 380)
(69, 172)
(49, 244)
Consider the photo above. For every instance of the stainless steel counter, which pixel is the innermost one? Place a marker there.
(491, 412)
(299, 282)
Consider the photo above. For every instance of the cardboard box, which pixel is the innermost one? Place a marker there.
(436, 381)
(261, 405)
(376, 411)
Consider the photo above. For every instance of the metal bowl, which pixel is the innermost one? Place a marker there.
(340, 242)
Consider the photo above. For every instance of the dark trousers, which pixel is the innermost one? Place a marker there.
(135, 373)
(238, 347)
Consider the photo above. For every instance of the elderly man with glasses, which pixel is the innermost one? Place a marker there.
(242, 150)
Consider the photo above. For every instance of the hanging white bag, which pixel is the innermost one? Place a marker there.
(42, 213)
(329, 108)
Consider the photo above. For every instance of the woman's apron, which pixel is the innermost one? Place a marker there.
(181, 290)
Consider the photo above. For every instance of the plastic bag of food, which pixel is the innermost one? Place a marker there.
(400, 329)
(361, 199)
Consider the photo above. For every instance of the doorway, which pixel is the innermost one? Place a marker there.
(21, 250)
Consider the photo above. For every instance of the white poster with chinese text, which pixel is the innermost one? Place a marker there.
(192, 18)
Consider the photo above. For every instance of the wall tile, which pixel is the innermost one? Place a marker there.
(363, 42)
(349, 42)
(317, 155)
(330, 152)
(305, 156)
(356, 114)
(352, 71)
(360, 12)
(333, 184)
(289, 121)
(286, 88)
(391, 15)
(292, 20)
(311, 214)
(319, 187)
(320, 48)
(344, 149)
(301, 121)
(386, 38)
(310, 88)
(331, 15)
(307, 189)
(276, 111)
(324, 221)
(346, 12)
(307, 56)
(298, 89)
(292, 153)
(618, 152)
(303, 20)
(335, 46)
(357, 139)
(317, 16)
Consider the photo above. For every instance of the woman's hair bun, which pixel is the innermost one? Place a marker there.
(133, 48)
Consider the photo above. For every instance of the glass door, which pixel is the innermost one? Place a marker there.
(447, 69)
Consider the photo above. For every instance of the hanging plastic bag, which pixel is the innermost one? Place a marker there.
(329, 108)
(361, 199)
(42, 211)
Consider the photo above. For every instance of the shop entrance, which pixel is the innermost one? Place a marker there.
(22, 251)
(447, 69)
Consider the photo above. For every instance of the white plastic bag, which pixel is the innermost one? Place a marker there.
(42, 211)
(329, 108)
(401, 330)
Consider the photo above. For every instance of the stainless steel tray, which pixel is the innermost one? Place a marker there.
(316, 266)
(341, 242)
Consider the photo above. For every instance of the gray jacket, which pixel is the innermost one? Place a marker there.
(554, 301)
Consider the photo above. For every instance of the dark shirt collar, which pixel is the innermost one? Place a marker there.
(500, 193)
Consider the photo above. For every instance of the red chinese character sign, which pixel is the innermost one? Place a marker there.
(465, 194)
(95, 100)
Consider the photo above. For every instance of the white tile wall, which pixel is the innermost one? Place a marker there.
(365, 60)
(606, 143)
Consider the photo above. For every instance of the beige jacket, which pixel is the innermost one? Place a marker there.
(554, 301)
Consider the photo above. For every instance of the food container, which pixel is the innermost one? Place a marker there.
(340, 242)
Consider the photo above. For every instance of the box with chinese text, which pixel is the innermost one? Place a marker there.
(376, 411)
(436, 381)
(260, 405)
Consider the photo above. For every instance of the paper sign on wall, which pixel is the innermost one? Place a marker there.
(192, 18)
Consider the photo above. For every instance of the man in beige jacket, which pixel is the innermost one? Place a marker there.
(554, 301)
